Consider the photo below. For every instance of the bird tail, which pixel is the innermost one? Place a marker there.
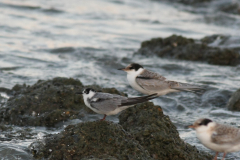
(190, 88)
(136, 100)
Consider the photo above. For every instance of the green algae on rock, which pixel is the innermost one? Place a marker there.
(182, 48)
(144, 133)
(156, 133)
(42, 104)
(90, 140)
(234, 101)
(45, 103)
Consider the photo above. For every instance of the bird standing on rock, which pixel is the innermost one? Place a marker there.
(148, 82)
(217, 137)
(110, 104)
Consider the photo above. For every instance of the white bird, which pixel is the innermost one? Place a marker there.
(148, 82)
(110, 104)
(217, 137)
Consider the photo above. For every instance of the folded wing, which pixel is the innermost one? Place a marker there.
(109, 102)
(226, 135)
(155, 82)
(106, 102)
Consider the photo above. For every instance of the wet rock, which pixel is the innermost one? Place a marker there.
(19, 134)
(6, 90)
(216, 38)
(5, 128)
(222, 41)
(62, 50)
(191, 2)
(90, 140)
(144, 132)
(178, 47)
(226, 6)
(9, 133)
(45, 103)
(234, 101)
(232, 7)
(156, 133)
(215, 98)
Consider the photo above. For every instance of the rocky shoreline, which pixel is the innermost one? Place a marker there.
(143, 132)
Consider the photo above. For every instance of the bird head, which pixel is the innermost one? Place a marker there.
(133, 67)
(202, 124)
(88, 92)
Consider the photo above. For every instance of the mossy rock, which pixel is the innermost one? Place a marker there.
(178, 47)
(90, 140)
(144, 133)
(156, 133)
(46, 103)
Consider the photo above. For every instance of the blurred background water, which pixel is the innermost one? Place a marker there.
(89, 40)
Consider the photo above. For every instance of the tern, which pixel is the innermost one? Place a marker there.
(217, 137)
(148, 82)
(110, 104)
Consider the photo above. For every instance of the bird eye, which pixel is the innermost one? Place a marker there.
(86, 91)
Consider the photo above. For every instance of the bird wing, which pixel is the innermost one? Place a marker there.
(224, 134)
(154, 82)
(106, 102)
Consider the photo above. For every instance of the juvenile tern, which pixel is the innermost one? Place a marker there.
(110, 104)
(148, 82)
(217, 137)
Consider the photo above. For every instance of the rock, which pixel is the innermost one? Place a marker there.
(156, 133)
(234, 101)
(178, 47)
(6, 90)
(189, 2)
(90, 140)
(62, 50)
(231, 7)
(5, 128)
(144, 132)
(10, 133)
(45, 103)
(215, 37)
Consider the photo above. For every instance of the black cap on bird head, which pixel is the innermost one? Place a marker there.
(132, 66)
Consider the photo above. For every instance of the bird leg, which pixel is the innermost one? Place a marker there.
(215, 158)
(224, 155)
(103, 117)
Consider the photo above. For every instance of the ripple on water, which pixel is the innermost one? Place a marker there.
(29, 7)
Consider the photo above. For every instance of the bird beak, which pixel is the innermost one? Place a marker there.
(78, 93)
(123, 69)
(191, 126)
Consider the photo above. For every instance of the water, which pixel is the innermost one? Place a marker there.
(89, 40)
